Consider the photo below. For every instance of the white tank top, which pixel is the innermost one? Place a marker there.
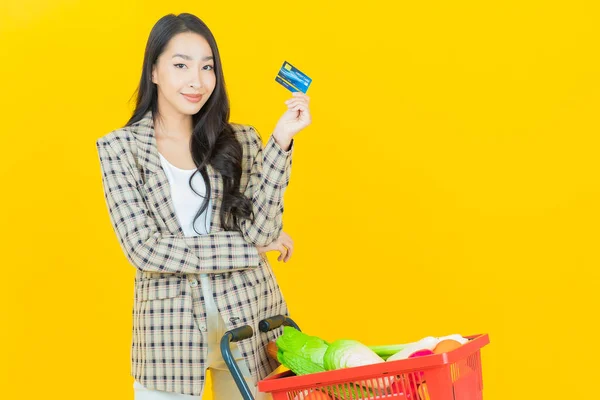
(186, 202)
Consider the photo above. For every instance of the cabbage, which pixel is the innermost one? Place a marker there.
(304, 354)
(301, 353)
(345, 353)
(299, 364)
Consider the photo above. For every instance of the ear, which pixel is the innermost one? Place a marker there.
(154, 74)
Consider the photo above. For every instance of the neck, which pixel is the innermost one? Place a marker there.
(172, 124)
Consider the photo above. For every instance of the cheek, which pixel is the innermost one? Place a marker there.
(211, 82)
(177, 84)
(171, 83)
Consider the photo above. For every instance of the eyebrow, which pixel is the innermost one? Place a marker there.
(186, 57)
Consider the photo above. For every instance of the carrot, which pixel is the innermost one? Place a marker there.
(272, 350)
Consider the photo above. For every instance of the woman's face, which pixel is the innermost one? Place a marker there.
(186, 67)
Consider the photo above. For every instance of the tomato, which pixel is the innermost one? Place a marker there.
(318, 396)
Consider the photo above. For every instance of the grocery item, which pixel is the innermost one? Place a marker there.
(301, 353)
(427, 343)
(272, 350)
(446, 345)
(349, 353)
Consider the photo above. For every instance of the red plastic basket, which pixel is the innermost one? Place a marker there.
(455, 375)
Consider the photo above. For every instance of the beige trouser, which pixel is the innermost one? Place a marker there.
(223, 385)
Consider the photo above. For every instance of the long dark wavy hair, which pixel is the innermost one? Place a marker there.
(213, 139)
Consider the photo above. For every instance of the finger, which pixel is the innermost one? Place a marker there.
(283, 252)
(286, 256)
(289, 243)
(290, 252)
(283, 255)
(300, 98)
(300, 107)
(296, 101)
(300, 94)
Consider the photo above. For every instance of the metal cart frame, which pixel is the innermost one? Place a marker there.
(245, 332)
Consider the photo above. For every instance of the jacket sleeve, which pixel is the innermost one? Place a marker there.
(269, 176)
(150, 250)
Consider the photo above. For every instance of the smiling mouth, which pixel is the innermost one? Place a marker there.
(193, 97)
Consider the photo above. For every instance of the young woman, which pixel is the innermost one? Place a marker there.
(196, 202)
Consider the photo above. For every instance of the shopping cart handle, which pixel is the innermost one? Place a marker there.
(275, 322)
(241, 333)
(235, 335)
(245, 332)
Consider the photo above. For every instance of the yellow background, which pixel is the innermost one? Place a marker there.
(448, 183)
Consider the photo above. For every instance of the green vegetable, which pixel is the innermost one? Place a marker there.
(304, 354)
(301, 353)
(299, 364)
(351, 353)
(345, 353)
(388, 350)
(313, 347)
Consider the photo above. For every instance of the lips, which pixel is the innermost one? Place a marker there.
(194, 98)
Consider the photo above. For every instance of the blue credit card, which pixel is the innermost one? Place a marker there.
(292, 78)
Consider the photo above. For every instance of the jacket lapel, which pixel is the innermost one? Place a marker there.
(156, 183)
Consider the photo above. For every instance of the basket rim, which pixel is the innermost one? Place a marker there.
(287, 380)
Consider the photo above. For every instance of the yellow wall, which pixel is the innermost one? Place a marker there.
(448, 183)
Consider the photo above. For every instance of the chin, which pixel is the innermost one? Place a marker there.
(190, 110)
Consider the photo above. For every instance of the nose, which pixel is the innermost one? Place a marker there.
(196, 82)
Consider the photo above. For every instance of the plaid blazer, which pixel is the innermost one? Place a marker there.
(168, 347)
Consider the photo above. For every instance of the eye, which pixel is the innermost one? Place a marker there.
(179, 64)
(209, 66)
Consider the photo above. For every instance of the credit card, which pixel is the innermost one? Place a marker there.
(292, 78)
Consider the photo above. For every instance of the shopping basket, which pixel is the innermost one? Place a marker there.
(454, 375)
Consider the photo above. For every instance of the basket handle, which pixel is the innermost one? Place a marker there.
(245, 332)
(235, 335)
(275, 322)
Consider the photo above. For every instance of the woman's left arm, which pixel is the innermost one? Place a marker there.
(269, 176)
(270, 171)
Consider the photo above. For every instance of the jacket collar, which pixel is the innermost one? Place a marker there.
(144, 132)
(148, 158)
(148, 155)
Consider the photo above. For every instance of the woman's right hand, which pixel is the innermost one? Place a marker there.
(284, 244)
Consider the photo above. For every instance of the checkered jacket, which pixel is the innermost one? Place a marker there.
(168, 347)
